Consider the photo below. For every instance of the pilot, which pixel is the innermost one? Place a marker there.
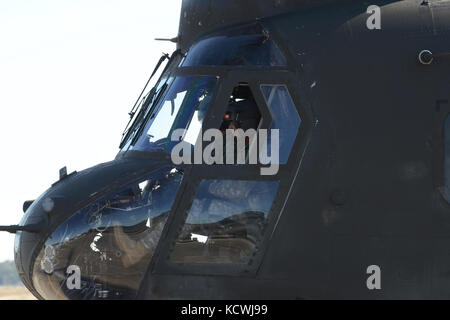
(243, 115)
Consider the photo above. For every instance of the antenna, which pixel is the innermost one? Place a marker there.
(174, 40)
(33, 228)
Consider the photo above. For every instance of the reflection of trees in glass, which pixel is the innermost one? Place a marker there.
(226, 221)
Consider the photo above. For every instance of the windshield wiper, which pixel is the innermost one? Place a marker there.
(148, 115)
(161, 60)
(129, 129)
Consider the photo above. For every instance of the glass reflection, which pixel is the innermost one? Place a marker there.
(111, 241)
(284, 117)
(226, 221)
(184, 106)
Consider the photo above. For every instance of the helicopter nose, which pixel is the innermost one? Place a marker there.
(26, 242)
(62, 208)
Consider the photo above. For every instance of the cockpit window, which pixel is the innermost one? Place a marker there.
(285, 117)
(182, 106)
(139, 113)
(250, 46)
(226, 222)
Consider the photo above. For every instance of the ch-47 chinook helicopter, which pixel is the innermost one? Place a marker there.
(360, 204)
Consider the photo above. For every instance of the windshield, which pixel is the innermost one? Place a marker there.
(146, 99)
(183, 105)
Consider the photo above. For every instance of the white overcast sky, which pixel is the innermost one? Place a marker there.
(70, 71)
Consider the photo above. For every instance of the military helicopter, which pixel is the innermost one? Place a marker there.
(358, 208)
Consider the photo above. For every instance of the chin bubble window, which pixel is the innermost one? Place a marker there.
(226, 222)
(104, 250)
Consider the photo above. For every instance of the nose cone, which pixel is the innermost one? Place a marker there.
(63, 200)
(25, 243)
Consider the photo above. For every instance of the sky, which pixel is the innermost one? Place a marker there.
(70, 71)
